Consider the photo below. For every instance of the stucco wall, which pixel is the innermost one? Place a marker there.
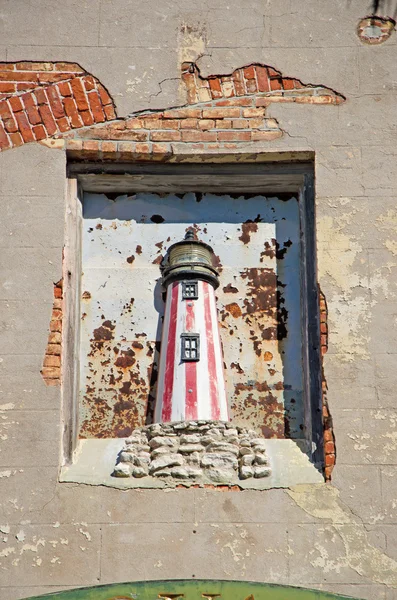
(340, 536)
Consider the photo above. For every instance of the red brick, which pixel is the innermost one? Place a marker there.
(267, 136)
(240, 124)
(125, 149)
(109, 149)
(10, 124)
(22, 87)
(153, 122)
(55, 102)
(7, 88)
(33, 115)
(215, 88)
(298, 85)
(14, 76)
(64, 88)
(52, 77)
(191, 87)
(206, 124)
(288, 84)
(47, 119)
(134, 123)
(275, 84)
(253, 112)
(234, 136)
(223, 124)
(34, 66)
(40, 95)
(87, 117)
(4, 141)
(183, 113)
(273, 72)
(72, 112)
(68, 67)
(255, 123)
(198, 136)
(16, 139)
(75, 146)
(109, 112)
(96, 107)
(7, 66)
(79, 94)
(15, 104)
(251, 86)
(328, 437)
(249, 72)
(54, 337)
(167, 124)
(329, 447)
(165, 136)
(51, 373)
(263, 80)
(188, 123)
(24, 127)
(39, 132)
(63, 124)
(143, 148)
(233, 102)
(54, 349)
(52, 360)
(262, 102)
(329, 460)
(161, 148)
(239, 85)
(5, 110)
(104, 96)
(221, 113)
(89, 83)
(56, 325)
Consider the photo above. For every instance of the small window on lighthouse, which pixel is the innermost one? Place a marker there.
(189, 290)
(190, 345)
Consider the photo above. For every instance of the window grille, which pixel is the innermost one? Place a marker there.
(190, 347)
(189, 290)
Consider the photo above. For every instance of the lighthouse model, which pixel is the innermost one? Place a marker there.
(191, 437)
(191, 382)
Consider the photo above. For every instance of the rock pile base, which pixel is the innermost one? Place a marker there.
(202, 451)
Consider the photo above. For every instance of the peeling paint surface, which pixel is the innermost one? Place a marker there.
(256, 244)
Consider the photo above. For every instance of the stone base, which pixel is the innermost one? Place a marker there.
(204, 451)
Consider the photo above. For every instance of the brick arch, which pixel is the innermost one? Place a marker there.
(39, 100)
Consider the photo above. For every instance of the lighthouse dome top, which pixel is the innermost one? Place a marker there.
(190, 259)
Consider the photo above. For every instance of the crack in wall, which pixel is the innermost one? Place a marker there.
(323, 502)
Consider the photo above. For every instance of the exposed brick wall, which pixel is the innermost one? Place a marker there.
(253, 79)
(42, 100)
(329, 437)
(51, 371)
(223, 112)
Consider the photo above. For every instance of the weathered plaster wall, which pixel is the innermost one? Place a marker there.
(340, 536)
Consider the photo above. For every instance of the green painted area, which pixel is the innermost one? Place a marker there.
(195, 589)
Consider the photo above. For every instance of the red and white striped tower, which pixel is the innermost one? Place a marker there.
(191, 383)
